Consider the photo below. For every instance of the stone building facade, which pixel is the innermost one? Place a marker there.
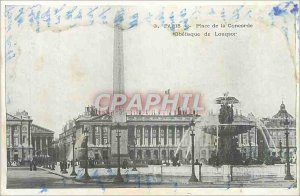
(150, 137)
(24, 140)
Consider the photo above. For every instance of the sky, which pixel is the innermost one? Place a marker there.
(58, 73)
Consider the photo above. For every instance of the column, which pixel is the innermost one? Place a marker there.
(47, 146)
(10, 143)
(20, 135)
(143, 136)
(29, 135)
(175, 137)
(35, 138)
(109, 136)
(29, 139)
(167, 135)
(41, 144)
(134, 131)
(135, 136)
(159, 140)
(100, 135)
(151, 139)
(10, 136)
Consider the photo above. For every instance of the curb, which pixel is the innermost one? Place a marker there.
(62, 175)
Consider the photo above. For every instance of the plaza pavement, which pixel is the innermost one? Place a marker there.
(142, 178)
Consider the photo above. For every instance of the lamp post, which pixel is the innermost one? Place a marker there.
(118, 178)
(73, 143)
(134, 158)
(86, 174)
(193, 176)
(64, 171)
(288, 175)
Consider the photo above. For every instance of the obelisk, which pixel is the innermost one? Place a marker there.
(119, 115)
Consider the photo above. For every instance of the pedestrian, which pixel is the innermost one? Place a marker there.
(34, 166)
(30, 165)
(61, 166)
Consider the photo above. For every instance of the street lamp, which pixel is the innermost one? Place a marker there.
(118, 178)
(73, 143)
(288, 170)
(86, 174)
(193, 177)
(134, 158)
(65, 157)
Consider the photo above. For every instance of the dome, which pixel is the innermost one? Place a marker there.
(282, 113)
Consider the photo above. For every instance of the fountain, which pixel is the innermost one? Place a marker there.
(226, 127)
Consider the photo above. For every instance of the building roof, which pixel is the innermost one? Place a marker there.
(10, 117)
(41, 129)
(282, 113)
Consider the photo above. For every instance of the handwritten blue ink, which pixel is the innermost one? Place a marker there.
(46, 17)
(172, 27)
(133, 20)
(9, 53)
(212, 12)
(249, 14)
(138, 181)
(20, 17)
(8, 15)
(184, 20)
(110, 173)
(102, 14)
(196, 13)
(119, 18)
(91, 14)
(57, 13)
(223, 16)
(285, 32)
(161, 17)
(295, 9)
(43, 189)
(69, 13)
(34, 16)
(236, 12)
(149, 17)
(278, 11)
(79, 15)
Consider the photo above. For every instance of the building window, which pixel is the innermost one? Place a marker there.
(24, 128)
(146, 133)
(16, 141)
(24, 138)
(137, 133)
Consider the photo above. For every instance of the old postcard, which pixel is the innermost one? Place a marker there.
(149, 98)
